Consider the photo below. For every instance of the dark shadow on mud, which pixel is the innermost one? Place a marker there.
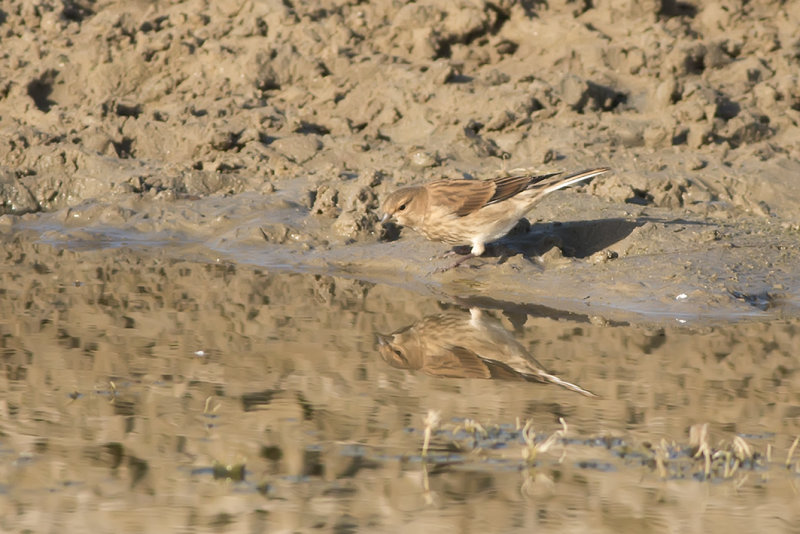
(518, 312)
(580, 239)
(576, 239)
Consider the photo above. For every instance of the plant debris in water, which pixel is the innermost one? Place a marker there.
(521, 446)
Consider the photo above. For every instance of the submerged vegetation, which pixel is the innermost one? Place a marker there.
(521, 446)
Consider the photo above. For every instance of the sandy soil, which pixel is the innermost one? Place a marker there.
(113, 112)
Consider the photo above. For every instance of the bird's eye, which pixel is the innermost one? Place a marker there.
(402, 207)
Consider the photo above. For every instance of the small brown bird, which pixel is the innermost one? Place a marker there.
(459, 345)
(473, 212)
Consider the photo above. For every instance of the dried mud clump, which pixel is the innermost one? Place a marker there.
(16, 198)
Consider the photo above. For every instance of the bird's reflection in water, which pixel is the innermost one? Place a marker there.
(455, 344)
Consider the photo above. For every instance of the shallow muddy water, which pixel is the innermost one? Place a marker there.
(153, 390)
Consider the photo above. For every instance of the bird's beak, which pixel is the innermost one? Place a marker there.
(385, 218)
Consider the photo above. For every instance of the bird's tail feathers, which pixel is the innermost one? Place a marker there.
(572, 179)
(552, 379)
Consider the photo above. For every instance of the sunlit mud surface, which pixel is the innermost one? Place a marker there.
(158, 388)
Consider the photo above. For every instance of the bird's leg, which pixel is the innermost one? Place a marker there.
(458, 262)
(505, 253)
(459, 250)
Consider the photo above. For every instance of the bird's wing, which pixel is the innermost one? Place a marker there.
(456, 362)
(461, 197)
(508, 186)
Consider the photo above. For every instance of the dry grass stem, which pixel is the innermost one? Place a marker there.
(432, 421)
(791, 451)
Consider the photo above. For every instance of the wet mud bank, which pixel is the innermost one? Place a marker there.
(270, 132)
(610, 260)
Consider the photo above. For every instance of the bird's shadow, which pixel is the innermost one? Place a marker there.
(575, 239)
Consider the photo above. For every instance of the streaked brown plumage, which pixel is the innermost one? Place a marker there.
(457, 345)
(474, 212)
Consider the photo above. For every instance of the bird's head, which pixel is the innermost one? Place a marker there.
(402, 349)
(392, 353)
(405, 206)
